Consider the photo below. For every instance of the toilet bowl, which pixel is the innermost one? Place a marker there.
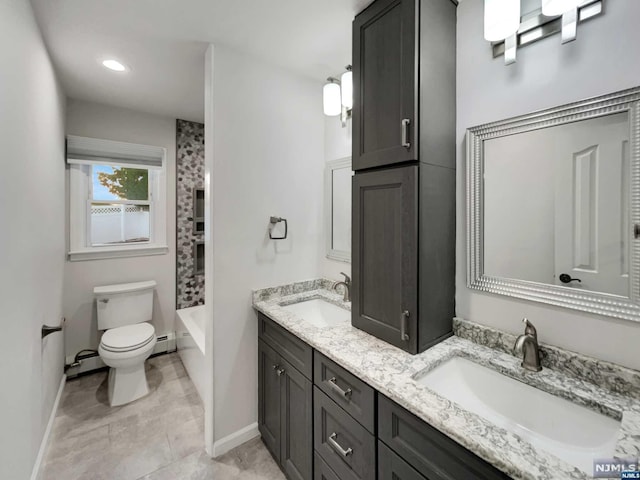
(128, 340)
(125, 350)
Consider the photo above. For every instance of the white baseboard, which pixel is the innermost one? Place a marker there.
(166, 343)
(35, 473)
(236, 439)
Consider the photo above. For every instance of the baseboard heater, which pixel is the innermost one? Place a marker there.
(92, 361)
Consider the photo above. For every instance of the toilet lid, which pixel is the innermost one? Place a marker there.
(127, 338)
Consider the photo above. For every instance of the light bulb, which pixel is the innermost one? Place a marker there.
(331, 99)
(501, 19)
(114, 65)
(346, 88)
(553, 8)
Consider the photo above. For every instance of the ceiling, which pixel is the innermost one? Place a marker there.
(164, 41)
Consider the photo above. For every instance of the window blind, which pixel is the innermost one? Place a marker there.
(94, 151)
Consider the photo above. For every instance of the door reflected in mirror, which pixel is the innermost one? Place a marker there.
(553, 206)
(557, 206)
(338, 209)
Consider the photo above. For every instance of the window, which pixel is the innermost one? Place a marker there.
(116, 198)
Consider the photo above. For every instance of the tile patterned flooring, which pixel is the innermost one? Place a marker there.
(159, 437)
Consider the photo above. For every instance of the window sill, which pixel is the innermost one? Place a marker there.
(103, 253)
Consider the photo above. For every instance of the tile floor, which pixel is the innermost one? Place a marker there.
(159, 437)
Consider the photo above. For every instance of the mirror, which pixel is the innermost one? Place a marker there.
(338, 209)
(552, 204)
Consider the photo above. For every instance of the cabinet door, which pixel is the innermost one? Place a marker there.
(269, 397)
(430, 452)
(296, 453)
(345, 445)
(385, 255)
(392, 467)
(384, 84)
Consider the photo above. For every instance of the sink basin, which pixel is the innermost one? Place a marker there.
(571, 432)
(320, 313)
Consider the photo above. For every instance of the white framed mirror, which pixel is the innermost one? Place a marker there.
(553, 206)
(337, 196)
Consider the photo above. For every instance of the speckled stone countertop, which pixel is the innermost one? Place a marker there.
(393, 373)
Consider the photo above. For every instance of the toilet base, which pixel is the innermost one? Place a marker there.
(127, 384)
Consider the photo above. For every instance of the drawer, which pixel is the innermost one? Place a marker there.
(290, 347)
(345, 445)
(322, 471)
(430, 452)
(356, 397)
(392, 467)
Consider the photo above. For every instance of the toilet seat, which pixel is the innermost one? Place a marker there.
(127, 338)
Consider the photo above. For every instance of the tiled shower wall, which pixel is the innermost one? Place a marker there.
(189, 175)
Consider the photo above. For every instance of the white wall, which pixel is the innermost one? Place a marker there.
(114, 123)
(32, 238)
(337, 144)
(267, 159)
(546, 74)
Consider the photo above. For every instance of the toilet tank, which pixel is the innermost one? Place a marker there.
(124, 304)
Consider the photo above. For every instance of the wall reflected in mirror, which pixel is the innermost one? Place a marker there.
(557, 205)
(338, 209)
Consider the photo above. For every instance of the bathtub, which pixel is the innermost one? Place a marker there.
(190, 344)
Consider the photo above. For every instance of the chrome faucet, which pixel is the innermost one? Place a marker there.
(527, 345)
(347, 287)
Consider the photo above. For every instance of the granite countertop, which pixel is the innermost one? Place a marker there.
(393, 373)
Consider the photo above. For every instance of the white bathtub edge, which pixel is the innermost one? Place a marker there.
(190, 349)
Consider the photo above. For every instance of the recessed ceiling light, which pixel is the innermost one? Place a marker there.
(114, 65)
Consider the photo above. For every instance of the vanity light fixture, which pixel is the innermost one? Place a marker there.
(501, 19)
(346, 88)
(331, 98)
(568, 9)
(337, 96)
(554, 16)
(501, 22)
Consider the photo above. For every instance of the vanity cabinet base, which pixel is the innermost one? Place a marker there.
(429, 452)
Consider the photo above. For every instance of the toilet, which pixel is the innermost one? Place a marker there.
(124, 311)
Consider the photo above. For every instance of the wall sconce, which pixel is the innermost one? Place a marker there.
(555, 16)
(337, 96)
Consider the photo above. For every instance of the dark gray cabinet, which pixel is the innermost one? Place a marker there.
(269, 397)
(384, 84)
(336, 427)
(296, 427)
(345, 445)
(392, 467)
(431, 453)
(353, 395)
(384, 255)
(403, 209)
(322, 471)
(285, 417)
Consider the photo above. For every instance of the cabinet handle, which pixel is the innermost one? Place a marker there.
(405, 132)
(343, 393)
(280, 371)
(337, 447)
(404, 326)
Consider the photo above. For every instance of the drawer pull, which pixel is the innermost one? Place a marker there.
(404, 326)
(404, 133)
(334, 386)
(337, 447)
